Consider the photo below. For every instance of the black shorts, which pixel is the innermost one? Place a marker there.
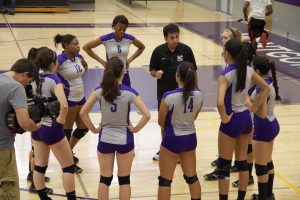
(256, 27)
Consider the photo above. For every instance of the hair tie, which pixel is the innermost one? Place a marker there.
(234, 36)
(54, 55)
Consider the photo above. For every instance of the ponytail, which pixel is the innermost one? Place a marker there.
(251, 53)
(43, 58)
(238, 52)
(187, 75)
(63, 39)
(110, 86)
(275, 84)
(264, 65)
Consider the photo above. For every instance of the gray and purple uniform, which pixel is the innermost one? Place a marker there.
(240, 122)
(114, 135)
(70, 72)
(118, 49)
(51, 132)
(268, 128)
(180, 132)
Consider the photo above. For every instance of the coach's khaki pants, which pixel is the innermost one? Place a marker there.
(9, 179)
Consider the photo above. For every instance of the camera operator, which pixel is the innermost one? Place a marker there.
(13, 96)
(51, 135)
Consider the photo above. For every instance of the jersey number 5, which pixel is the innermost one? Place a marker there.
(190, 105)
(113, 108)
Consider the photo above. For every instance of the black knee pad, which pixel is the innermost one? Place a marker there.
(223, 169)
(124, 180)
(162, 182)
(261, 169)
(250, 149)
(241, 165)
(270, 165)
(80, 133)
(190, 180)
(68, 133)
(106, 180)
(69, 169)
(40, 169)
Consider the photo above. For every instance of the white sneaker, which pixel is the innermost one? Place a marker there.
(156, 156)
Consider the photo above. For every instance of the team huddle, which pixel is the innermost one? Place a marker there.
(247, 91)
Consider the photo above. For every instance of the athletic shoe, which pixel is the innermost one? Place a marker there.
(32, 189)
(76, 160)
(272, 197)
(30, 178)
(211, 176)
(233, 169)
(215, 162)
(156, 156)
(4, 11)
(250, 182)
(11, 12)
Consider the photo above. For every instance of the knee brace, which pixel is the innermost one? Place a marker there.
(241, 165)
(223, 169)
(190, 180)
(40, 169)
(124, 180)
(270, 165)
(68, 133)
(80, 133)
(261, 169)
(69, 169)
(106, 180)
(162, 182)
(250, 150)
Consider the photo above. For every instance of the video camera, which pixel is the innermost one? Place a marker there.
(38, 107)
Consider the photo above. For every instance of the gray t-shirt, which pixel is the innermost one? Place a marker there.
(12, 96)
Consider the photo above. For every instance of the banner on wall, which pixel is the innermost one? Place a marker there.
(42, 3)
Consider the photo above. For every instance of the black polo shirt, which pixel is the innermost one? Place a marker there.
(163, 59)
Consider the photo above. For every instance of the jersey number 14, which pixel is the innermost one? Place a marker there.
(190, 105)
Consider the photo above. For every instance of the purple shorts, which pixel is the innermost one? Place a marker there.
(75, 103)
(180, 144)
(240, 123)
(49, 135)
(264, 130)
(104, 147)
(126, 79)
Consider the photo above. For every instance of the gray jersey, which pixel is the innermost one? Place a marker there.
(115, 117)
(12, 96)
(116, 48)
(235, 101)
(47, 85)
(180, 118)
(270, 101)
(70, 73)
